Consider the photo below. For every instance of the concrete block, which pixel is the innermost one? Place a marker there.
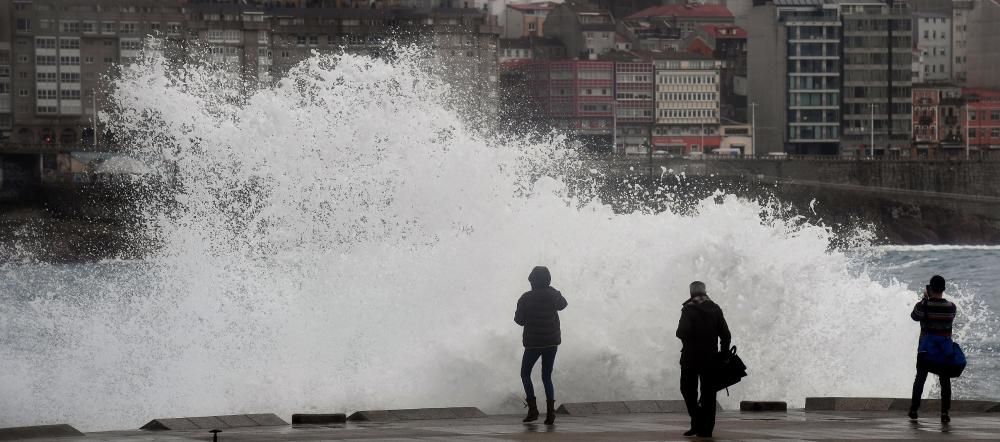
(214, 422)
(39, 432)
(208, 422)
(169, 424)
(820, 403)
(319, 419)
(642, 407)
(467, 412)
(611, 408)
(267, 420)
(577, 409)
(372, 416)
(672, 406)
(758, 406)
(238, 420)
(415, 414)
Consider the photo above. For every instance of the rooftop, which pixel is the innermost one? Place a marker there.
(725, 31)
(537, 6)
(693, 11)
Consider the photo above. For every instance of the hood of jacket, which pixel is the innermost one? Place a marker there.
(539, 277)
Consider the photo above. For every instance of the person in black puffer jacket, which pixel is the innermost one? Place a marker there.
(538, 312)
(701, 329)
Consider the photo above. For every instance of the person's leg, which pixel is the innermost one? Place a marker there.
(527, 364)
(548, 363)
(945, 396)
(707, 408)
(689, 390)
(531, 356)
(918, 390)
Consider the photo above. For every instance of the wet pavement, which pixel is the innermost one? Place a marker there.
(732, 425)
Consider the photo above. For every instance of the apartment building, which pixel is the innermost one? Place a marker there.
(526, 19)
(687, 103)
(634, 105)
(576, 96)
(937, 124)
(982, 119)
(794, 76)
(877, 66)
(586, 31)
(62, 48)
(932, 33)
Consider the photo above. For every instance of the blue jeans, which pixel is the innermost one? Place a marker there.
(531, 355)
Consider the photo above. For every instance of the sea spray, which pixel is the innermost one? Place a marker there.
(341, 241)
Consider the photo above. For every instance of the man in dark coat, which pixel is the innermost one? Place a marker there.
(935, 315)
(701, 328)
(538, 312)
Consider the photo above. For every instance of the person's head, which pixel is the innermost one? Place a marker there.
(936, 287)
(697, 288)
(540, 277)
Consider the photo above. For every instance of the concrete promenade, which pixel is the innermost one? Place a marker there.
(732, 425)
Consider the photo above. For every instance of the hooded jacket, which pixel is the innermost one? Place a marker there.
(701, 328)
(538, 311)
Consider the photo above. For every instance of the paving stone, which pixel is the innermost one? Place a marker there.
(467, 412)
(39, 432)
(672, 406)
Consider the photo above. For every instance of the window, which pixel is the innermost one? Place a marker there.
(128, 27)
(109, 42)
(88, 60)
(173, 28)
(108, 27)
(22, 58)
(45, 60)
(109, 59)
(995, 115)
(69, 43)
(995, 132)
(214, 35)
(47, 94)
(972, 132)
(23, 24)
(313, 40)
(45, 43)
(262, 37)
(45, 109)
(232, 35)
(69, 77)
(88, 27)
(45, 77)
(70, 60)
(155, 27)
(300, 40)
(22, 93)
(69, 26)
(69, 94)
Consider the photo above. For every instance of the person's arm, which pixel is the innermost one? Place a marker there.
(519, 313)
(918, 313)
(684, 325)
(560, 301)
(725, 337)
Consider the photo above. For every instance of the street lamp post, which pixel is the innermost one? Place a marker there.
(873, 131)
(968, 129)
(753, 128)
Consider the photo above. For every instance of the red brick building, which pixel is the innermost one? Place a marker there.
(577, 96)
(983, 119)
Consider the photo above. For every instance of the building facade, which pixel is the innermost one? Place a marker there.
(877, 66)
(634, 106)
(525, 19)
(794, 76)
(932, 34)
(687, 104)
(982, 119)
(587, 32)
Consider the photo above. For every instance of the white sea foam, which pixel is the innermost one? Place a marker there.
(341, 241)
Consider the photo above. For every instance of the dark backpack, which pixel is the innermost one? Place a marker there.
(728, 371)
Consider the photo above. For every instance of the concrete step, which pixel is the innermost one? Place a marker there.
(39, 432)
(214, 422)
(895, 404)
(624, 407)
(415, 414)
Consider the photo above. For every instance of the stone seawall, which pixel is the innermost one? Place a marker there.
(969, 178)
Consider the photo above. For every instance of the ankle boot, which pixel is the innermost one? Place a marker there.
(550, 412)
(532, 410)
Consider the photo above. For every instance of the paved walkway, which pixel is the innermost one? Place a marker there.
(795, 425)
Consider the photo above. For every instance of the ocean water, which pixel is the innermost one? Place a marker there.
(343, 240)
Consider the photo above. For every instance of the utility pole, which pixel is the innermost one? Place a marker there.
(873, 131)
(753, 128)
(889, 22)
(93, 103)
(967, 128)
